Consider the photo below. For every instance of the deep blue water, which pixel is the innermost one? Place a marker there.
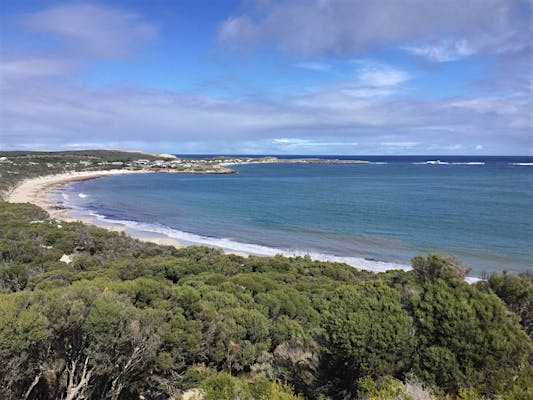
(390, 210)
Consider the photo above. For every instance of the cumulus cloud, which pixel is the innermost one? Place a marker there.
(371, 81)
(94, 29)
(349, 27)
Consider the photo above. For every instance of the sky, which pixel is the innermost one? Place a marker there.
(268, 77)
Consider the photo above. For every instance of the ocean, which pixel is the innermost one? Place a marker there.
(375, 216)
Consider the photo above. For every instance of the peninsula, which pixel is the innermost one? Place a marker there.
(18, 165)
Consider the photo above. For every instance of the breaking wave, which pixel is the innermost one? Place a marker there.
(188, 239)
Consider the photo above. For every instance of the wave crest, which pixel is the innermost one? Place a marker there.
(188, 238)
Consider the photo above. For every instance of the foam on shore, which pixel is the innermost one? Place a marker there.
(147, 230)
(43, 192)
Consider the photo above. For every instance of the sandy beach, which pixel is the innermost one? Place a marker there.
(41, 191)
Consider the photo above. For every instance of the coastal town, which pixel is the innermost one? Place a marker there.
(220, 164)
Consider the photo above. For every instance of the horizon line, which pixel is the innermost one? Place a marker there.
(269, 154)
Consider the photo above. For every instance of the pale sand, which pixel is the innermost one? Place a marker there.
(41, 192)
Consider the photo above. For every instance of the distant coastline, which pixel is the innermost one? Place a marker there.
(45, 191)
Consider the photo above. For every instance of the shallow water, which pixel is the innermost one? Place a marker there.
(477, 208)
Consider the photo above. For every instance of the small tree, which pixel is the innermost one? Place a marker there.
(437, 266)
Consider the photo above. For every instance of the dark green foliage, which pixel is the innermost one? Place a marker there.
(368, 334)
(127, 318)
(438, 266)
(223, 386)
(466, 337)
(517, 292)
(383, 388)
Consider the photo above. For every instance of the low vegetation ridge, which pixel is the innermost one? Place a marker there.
(90, 314)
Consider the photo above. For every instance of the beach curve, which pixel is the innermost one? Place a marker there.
(40, 191)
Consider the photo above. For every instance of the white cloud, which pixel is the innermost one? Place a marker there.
(34, 67)
(444, 52)
(303, 143)
(493, 107)
(238, 30)
(349, 27)
(400, 144)
(383, 77)
(92, 29)
(331, 120)
(353, 113)
(373, 81)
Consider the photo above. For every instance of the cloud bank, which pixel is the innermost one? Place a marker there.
(343, 119)
(46, 103)
(348, 27)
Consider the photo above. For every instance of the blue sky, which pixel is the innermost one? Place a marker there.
(259, 77)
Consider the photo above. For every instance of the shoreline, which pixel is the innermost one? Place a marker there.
(41, 191)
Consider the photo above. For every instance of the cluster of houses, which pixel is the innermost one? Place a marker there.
(189, 163)
(195, 164)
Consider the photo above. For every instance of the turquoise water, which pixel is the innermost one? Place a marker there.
(387, 211)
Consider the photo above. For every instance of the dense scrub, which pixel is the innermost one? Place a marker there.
(126, 318)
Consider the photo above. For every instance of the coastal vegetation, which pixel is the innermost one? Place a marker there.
(18, 165)
(86, 313)
(118, 318)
